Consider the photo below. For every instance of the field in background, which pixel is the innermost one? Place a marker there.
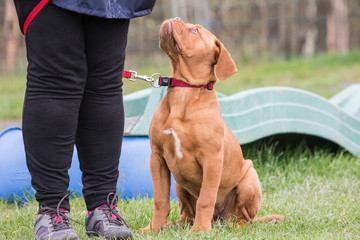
(324, 74)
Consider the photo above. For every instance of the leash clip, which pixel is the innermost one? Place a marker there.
(146, 78)
(141, 77)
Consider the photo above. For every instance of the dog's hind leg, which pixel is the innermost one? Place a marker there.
(187, 204)
(249, 200)
(248, 196)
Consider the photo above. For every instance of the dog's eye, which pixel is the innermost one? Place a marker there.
(195, 30)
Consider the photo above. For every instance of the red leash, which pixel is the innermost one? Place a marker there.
(165, 81)
(33, 14)
(127, 74)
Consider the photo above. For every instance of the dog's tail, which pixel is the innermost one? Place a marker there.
(268, 218)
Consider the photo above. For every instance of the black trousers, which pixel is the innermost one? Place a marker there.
(73, 96)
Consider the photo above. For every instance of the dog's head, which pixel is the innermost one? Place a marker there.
(196, 55)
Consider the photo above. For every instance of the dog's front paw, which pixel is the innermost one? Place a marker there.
(200, 228)
(146, 230)
(151, 228)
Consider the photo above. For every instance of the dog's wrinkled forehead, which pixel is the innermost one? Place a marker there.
(193, 37)
(185, 38)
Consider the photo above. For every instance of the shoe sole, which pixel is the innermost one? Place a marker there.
(92, 234)
(68, 238)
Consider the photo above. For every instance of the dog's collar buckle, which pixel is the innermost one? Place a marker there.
(165, 81)
(210, 86)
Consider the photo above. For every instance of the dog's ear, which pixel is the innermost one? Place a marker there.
(225, 65)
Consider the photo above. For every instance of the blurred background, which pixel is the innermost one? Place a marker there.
(260, 28)
(309, 44)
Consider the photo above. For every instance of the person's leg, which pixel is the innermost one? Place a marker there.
(56, 77)
(101, 125)
(101, 118)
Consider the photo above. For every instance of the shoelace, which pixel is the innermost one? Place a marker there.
(112, 211)
(55, 214)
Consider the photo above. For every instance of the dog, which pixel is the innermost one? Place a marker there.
(189, 138)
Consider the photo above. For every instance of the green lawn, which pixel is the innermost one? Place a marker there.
(12, 89)
(318, 190)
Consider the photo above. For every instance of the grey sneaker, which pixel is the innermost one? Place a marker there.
(106, 221)
(54, 226)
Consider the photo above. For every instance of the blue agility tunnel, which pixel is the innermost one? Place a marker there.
(134, 169)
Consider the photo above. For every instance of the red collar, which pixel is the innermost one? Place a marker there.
(172, 82)
(165, 81)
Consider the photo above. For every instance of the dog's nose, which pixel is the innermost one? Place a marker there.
(179, 19)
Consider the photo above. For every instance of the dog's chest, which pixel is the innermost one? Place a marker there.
(180, 156)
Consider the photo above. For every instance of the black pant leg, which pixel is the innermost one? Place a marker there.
(55, 83)
(101, 119)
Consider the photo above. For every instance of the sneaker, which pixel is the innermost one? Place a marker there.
(54, 224)
(106, 221)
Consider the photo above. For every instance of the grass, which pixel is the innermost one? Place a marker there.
(325, 75)
(317, 189)
(12, 89)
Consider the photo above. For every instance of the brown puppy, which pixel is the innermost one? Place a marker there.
(189, 138)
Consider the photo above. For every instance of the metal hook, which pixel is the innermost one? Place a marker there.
(146, 78)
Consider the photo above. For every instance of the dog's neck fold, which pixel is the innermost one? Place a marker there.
(193, 74)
